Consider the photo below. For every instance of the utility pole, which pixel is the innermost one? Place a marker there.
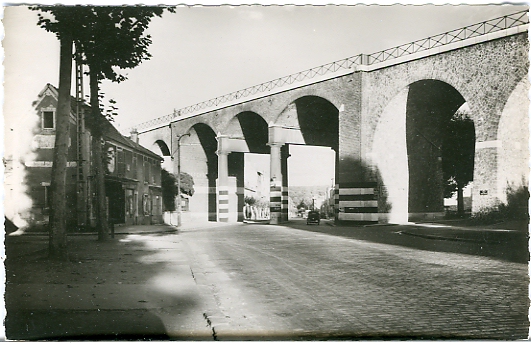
(179, 202)
(82, 169)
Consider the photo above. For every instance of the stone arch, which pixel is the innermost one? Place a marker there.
(319, 90)
(513, 141)
(255, 131)
(160, 147)
(485, 100)
(163, 147)
(406, 148)
(308, 120)
(430, 105)
(248, 133)
(378, 101)
(199, 159)
(317, 119)
(233, 128)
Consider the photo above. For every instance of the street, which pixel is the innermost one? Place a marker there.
(231, 191)
(217, 281)
(297, 281)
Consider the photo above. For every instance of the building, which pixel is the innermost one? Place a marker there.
(132, 178)
(256, 187)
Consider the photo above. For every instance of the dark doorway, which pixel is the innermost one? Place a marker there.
(116, 196)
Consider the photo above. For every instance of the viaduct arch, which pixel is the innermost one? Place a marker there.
(377, 109)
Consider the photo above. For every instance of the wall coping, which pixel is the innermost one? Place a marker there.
(336, 69)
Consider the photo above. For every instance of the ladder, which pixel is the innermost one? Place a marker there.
(82, 148)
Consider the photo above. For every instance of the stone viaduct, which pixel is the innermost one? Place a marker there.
(383, 114)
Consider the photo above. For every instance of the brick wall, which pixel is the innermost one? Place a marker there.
(513, 137)
(485, 75)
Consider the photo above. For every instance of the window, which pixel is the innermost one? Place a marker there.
(146, 202)
(185, 204)
(120, 158)
(128, 160)
(48, 121)
(129, 203)
(135, 204)
(134, 166)
(147, 170)
(46, 197)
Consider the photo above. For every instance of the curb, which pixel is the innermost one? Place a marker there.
(379, 225)
(443, 238)
(264, 222)
(96, 234)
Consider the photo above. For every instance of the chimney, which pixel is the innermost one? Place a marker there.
(134, 135)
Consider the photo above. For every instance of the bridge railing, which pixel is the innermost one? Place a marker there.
(276, 83)
(344, 64)
(475, 30)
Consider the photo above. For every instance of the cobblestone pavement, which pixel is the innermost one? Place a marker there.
(277, 282)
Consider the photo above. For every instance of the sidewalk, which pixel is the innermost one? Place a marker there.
(128, 229)
(500, 241)
(131, 287)
(480, 234)
(454, 230)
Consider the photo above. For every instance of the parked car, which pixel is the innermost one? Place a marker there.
(313, 217)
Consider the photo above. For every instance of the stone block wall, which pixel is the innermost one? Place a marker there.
(484, 74)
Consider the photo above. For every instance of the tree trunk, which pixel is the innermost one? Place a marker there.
(57, 232)
(460, 200)
(102, 225)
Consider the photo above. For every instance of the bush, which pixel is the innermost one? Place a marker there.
(250, 200)
(487, 216)
(169, 188)
(516, 208)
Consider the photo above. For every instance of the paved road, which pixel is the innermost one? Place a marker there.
(135, 287)
(298, 281)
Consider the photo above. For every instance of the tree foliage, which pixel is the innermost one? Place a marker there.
(458, 155)
(187, 184)
(169, 188)
(107, 39)
(517, 206)
(304, 205)
(250, 200)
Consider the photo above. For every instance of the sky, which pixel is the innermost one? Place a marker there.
(202, 52)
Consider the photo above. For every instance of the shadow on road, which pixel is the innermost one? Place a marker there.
(502, 245)
(123, 289)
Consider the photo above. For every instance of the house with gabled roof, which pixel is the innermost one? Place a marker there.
(132, 176)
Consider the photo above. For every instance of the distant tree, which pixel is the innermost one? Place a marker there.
(169, 188)
(302, 205)
(187, 184)
(249, 200)
(458, 156)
